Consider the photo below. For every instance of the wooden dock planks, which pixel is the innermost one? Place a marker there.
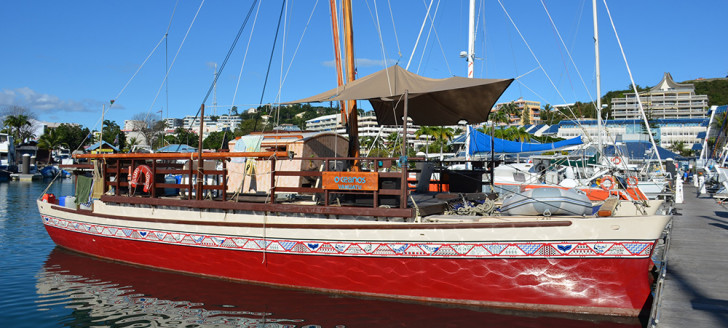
(695, 290)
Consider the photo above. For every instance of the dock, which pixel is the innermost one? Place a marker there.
(26, 177)
(694, 292)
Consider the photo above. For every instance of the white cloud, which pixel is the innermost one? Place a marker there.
(43, 103)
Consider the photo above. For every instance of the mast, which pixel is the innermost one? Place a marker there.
(337, 57)
(471, 57)
(353, 124)
(598, 75)
(471, 38)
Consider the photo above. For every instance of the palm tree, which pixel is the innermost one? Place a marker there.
(374, 145)
(500, 116)
(442, 136)
(513, 134)
(50, 141)
(512, 110)
(425, 131)
(133, 141)
(16, 122)
(520, 134)
(394, 143)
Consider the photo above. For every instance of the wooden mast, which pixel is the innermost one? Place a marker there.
(337, 58)
(353, 124)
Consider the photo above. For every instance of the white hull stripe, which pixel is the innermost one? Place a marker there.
(465, 250)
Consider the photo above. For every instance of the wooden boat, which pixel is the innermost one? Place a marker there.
(362, 231)
(412, 250)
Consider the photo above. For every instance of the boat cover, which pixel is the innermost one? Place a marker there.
(431, 101)
(481, 142)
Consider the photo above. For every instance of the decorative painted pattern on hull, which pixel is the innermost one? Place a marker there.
(521, 249)
(614, 285)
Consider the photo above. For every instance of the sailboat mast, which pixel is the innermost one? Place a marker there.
(598, 74)
(350, 77)
(471, 56)
(337, 57)
(471, 38)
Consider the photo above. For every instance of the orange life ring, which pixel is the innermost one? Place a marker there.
(134, 182)
(616, 160)
(608, 186)
(632, 181)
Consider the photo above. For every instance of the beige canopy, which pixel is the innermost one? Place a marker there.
(431, 101)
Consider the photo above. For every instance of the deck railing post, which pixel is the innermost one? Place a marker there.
(224, 180)
(154, 179)
(191, 172)
(272, 180)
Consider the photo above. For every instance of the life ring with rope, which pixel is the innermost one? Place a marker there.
(607, 186)
(616, 160)
(147, 172)
(633, 181)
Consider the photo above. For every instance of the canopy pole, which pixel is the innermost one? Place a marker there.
(404, 124)
(200, 161)
(403, 160)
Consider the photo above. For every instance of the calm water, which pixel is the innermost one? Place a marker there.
(45, 286)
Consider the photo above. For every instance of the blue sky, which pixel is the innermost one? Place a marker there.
(65, 59)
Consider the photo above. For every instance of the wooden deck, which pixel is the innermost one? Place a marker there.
(695, 290)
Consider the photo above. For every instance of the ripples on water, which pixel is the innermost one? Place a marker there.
(45, 286)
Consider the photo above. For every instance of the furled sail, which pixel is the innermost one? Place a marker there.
(481, 143)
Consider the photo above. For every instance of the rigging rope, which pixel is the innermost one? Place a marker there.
(399, 52)
(634, 87)
(270, 61)
(230, 51)
(427, 39)
(419, 35)
(295, 52)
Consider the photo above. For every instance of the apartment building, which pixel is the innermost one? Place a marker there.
(533, 108)
(666, 100)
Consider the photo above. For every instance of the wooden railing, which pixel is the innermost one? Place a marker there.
(118, 168)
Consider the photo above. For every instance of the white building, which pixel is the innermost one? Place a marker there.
(668, 131)
(368, 127)
(667, 100)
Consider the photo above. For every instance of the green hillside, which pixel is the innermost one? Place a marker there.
(716, 89)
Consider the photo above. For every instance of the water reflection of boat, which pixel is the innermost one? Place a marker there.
(108, 293)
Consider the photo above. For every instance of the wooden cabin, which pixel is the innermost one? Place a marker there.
(251, 176)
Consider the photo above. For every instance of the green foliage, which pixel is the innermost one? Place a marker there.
(113, 135)
(183, 137)
(72, 135)
(716, 89)
(216, 140)
(526, 116)
(679, 147)
(17, 126)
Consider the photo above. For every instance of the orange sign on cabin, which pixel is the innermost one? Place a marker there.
(351, 181)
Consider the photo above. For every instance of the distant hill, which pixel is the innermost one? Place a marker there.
(716, 89)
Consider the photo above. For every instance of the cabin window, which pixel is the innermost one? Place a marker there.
(519, 177)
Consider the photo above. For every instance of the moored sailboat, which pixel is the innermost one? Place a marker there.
(362, 230)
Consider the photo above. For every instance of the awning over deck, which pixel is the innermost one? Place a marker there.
(431, 101)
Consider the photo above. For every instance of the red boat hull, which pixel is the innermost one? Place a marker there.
(615, 286)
